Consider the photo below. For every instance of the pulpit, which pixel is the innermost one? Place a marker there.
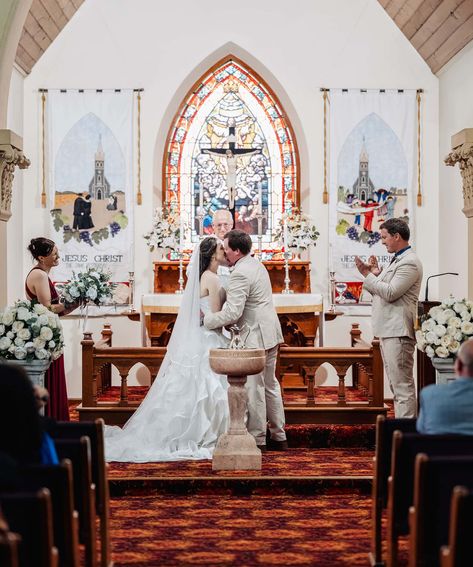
(166, 275)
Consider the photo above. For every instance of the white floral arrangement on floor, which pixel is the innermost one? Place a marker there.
(300, 232)
(166, 231)
(445, 328)
(91, 286)
(30, 331)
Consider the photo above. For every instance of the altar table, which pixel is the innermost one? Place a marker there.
(298, 314)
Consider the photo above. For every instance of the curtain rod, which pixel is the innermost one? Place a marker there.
(324, 90)
(94, 90)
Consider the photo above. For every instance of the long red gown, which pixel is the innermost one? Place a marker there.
(55, 377)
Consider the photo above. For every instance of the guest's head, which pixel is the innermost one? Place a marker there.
(44, 251)
(464, 360)
(20, 426)
(395, 234)
(222, 223)
(212, 255)
(237, 244)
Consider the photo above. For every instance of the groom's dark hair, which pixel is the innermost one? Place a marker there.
(239, 240)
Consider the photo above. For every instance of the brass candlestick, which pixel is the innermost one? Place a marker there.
(287, 280)
(181, 275)
(131, 285)
(332, 291)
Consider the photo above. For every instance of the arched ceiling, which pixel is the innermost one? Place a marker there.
(43, 24)
(438, 29)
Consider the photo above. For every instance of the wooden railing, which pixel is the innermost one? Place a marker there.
(98, 359)
(364, 359)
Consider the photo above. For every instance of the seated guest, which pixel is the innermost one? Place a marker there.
(448, 408)
(22, 436)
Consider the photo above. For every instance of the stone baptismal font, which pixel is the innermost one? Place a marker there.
(236, 449)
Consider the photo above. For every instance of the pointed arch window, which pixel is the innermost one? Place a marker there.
(231, 94)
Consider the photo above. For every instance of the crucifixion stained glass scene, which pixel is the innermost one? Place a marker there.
(231, 147)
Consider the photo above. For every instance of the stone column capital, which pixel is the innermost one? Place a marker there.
(11, 156)
(462, 154)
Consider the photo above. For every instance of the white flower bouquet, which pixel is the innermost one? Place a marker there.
(92, 285)
(30, 331)
(166, 231)
(300, 232)
(445, 328)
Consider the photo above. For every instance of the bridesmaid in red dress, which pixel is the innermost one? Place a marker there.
(38, 286)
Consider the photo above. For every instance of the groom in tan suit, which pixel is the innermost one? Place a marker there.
(249, 304)
(395, 292)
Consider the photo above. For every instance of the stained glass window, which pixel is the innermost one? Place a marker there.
(231, 107)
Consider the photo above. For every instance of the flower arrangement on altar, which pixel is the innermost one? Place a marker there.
(445, 328)
(295, 231)
(30, 331)
(93, 285)
(166, 230)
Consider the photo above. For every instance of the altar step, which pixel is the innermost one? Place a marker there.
(296, 471)
(297, 411)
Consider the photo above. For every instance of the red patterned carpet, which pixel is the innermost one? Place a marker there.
(309, 505)
(292, 463)
(326, 530)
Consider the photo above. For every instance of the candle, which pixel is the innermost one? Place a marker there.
(181, 231)
(285, 232)
(201, 198)
(260, 197)
(330, 259)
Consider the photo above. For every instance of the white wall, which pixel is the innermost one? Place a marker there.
(456, 113)
(165, 47)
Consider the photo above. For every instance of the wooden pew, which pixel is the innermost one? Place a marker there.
(78, 452)
(367, 362)
(58, 480)
(381, 470)
(94, 430)
(406, 446)
(9, 543)
(429, 517)
(30, 515)
(459, 551)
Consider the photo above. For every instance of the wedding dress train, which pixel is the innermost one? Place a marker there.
(183, 414)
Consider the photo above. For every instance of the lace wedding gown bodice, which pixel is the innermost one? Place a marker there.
(183, 414)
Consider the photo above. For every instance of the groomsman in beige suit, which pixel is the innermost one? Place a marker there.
(395, 292)
(249, 304)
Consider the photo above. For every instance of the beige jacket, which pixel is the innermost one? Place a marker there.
(395, 293)
(249, 302)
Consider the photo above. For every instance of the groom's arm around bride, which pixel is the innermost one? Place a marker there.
(249, 303)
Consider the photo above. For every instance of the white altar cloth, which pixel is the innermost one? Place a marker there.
(283, 302)
(168, 303)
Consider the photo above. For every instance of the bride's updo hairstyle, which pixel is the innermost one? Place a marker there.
(208, 246)
(41, 247)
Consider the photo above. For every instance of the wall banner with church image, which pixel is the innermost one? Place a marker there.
(372, 177)
(90, 177)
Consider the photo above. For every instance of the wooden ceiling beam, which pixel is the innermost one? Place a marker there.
(44, 19)
(24, 60)
(439, 18)
(417, 20)
(457, 41)
(446, 30)
(406, 12)
(36, 32)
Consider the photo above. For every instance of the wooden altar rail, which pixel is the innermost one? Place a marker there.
(364, 359)
(367, 370)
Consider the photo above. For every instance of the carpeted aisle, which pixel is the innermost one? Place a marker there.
(324, 530)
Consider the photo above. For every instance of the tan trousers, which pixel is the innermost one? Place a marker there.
(398, 359)
(265, 402)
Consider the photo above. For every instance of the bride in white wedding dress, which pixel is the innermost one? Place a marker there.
(186, 408)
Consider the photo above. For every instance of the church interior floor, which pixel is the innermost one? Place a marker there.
(310, 505)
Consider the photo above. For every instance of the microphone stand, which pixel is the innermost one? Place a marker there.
(436, 276)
